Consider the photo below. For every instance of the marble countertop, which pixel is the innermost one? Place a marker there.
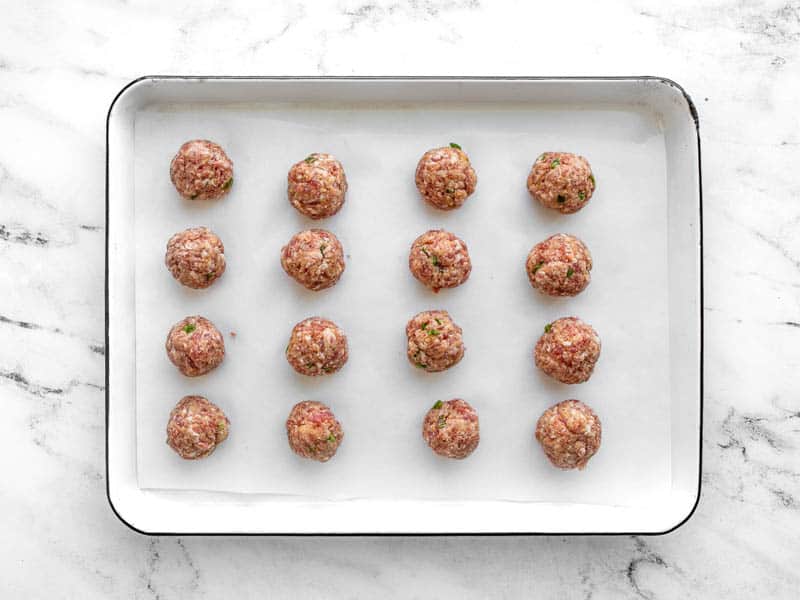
(60, 66)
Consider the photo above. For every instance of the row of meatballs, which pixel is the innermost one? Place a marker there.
(445, 178)
(558, 266)
(568, 349)
(569, 432)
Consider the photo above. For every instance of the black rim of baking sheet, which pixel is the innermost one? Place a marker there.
(664, 80)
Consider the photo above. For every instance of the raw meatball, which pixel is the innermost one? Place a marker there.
(313, 258)
(195, 257)
(196, 427)
(195, 346)
(568, 350)
(445, 177)
(317, 346)
(559, 266)
(562, 181)
(569, 433)
(201, 171)
(317, 186)
(439, 260)
(451, 428)
(434, 341)
(313, 431)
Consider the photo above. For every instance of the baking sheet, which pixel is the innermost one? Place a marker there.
(379, 397)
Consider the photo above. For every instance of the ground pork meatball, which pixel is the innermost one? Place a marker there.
(196, 427)
(451, 429)
(562, 181)
(195, 346)
(317, 346)
(568, 350)
(569, 433)
(445, 177)
(195, 257)
(559, 266)
(317, 186)
(313, 431)
(439, 260)
(434, 341)
(313, 258)
(201, 171)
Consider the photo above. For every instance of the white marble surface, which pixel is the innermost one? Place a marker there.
(60, 66)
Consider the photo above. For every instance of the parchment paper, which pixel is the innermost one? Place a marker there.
(379, 397)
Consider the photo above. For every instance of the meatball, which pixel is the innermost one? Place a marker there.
(569, 433)
(201, 171)
(562, 181)
(317, 186)
(317, 346)
(568, 350)
(195, 257)
(195, 346)
(434, 341)
(196, 427)
(439, 260)
(313, 258)
(559, 266)
(313, 431)
(445, 177)
(451, 429)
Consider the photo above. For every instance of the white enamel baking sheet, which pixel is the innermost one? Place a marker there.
(642, 227)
